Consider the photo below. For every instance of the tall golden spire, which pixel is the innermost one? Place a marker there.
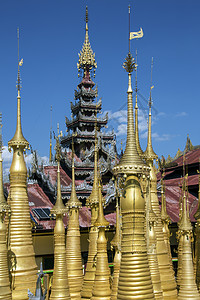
(93, 202)
(18, 138)
(130, 163)
(5, 292)
(73, 243)
(86, 56)
(168, 283)
(94, 196)
(149, 154)
(140, 152)
(60, 288)
(101, 288)
(188, 288)
(134, 259)
(21, 243)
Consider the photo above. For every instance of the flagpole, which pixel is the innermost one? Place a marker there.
(129, 11)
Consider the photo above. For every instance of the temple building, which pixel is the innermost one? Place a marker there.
(79, 186)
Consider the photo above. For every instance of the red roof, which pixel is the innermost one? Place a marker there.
(37, 198)
(192, 180)
(191, 157)
(65, 180)
(173, 193)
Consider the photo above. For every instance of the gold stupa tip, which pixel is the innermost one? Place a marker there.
(86, 15)
(73, 201)
(94, 196)
(131, 162)
(116, 241)
(86, 56)
(18, 140)
(149, 154)
(101, 220)
(59, 207)
(185, 223)
(129, 64)
(164, 215)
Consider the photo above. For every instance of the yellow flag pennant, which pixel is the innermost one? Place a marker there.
(136, 35)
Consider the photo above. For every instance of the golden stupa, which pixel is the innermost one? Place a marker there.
(22, 254)
(188, 288)
(168, 283)
(101, 288)
(93, 202)
(134, 277)
(60, 288)
(73, 242)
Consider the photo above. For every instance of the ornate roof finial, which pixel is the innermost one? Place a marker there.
(18, 139)
(130, 162)
(184, 223)
(149, 154)
(101, 220)
(59, 208)
(73, 201)
(86, 56)
(86, 15)
(94, 196)
(20, 63)
(140, 152)
(50, 150)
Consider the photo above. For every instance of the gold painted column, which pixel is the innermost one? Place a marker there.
(73, 243)
(60, 288)
(5, 291)
(102, 283)
(24, 267)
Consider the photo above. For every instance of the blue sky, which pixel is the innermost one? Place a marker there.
(51, 36)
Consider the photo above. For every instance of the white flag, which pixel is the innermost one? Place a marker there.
(136, 35)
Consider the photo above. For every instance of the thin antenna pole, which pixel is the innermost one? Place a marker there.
(150, 100)
(51, 118)
(129, 29)
(136, 65)
(18, 45)
(58, 128)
